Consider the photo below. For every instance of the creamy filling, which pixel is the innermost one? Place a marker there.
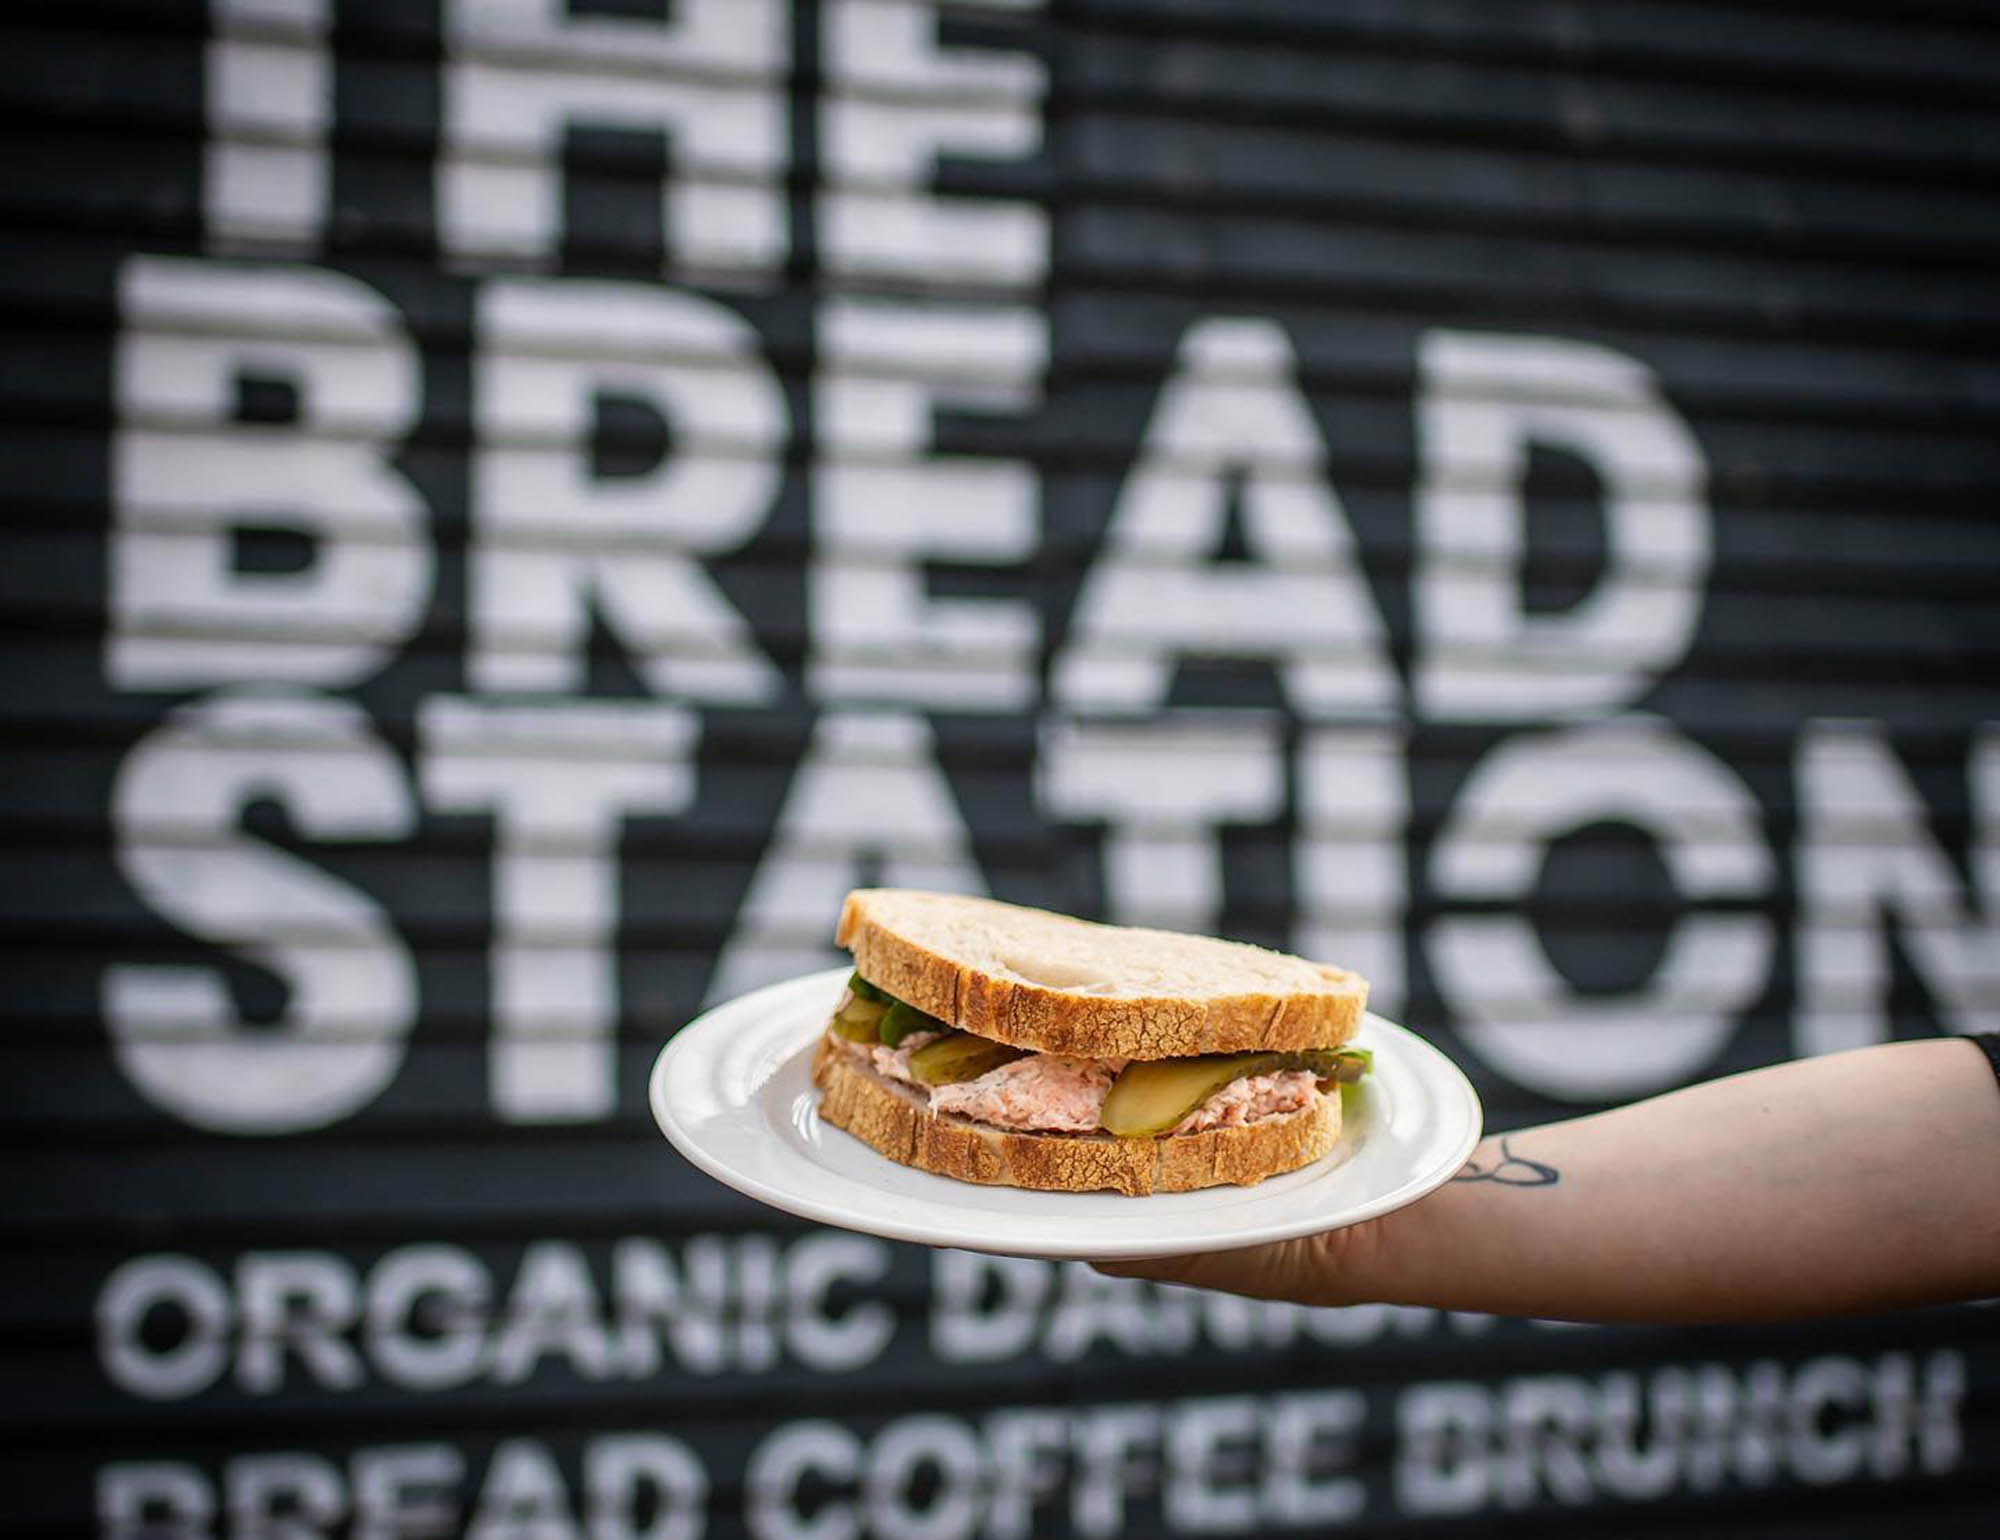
(1049, 1092)
(1060, 1093)
(892, 1062)
(1252, 1098)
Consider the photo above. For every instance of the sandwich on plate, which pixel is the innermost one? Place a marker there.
(1010, 1046)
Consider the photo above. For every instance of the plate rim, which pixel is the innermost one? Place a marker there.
(1442, 1077)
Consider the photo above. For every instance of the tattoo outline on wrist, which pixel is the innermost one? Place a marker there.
(1510, 1170)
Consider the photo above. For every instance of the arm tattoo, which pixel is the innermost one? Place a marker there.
(1510, 1170)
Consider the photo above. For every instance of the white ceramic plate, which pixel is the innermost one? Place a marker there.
(733, 1091)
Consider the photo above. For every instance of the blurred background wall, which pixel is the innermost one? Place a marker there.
(512, 507)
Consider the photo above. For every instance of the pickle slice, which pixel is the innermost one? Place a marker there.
(861, 989)
(1350, 1064)
(960, 1056)
(1151, 1095)
(859, 1021)
(1344, 1065)
(900, 1020)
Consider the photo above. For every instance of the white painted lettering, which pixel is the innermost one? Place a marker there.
(868, 785)
(1109, 1443)
(814, 1264)
(778, 1465)
(523, 1496)
(1483, 401)
(154, 1500)
(623, 1473)
(286, 1496)
(352, 993)
(757, 1294)
(1232, 410)
(553, 1308)
(558, 779)
(1091, 1306)
(878, 636)
(554, 542)
(651, 1296)
(1866, 857)
(187, 472)
(401, 1491)
(1305, 1430)
(302, 1303)
(880, 146)
(266, 176)
(1025, 1444)
(1350, 860)
(1516, 1011)
(1162, 860)
(1546, 1421)
(128, 1354)
(451, 1347)
(712, 78)
(1622, 1465)
(899, 1453)
(1442, 1431)
(1206, 1438)
(985, 1309)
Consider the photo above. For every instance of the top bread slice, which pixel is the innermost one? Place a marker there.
(1057, 985)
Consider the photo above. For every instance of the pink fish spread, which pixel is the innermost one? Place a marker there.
(1057, 1093)
(1253, 1097)
(894, 1063)
(1045, 1091)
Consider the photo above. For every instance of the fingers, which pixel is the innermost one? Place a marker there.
(1157, 1269)
(1304, 1270)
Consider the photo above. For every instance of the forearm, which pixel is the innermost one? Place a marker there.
(1858, 1181)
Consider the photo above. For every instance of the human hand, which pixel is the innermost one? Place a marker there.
(1356, 1264)
(1323, 1269)
(1795, 1190)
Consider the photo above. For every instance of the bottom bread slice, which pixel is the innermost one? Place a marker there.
(895, 1119)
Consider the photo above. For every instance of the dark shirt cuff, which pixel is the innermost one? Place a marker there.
(1989, 1042)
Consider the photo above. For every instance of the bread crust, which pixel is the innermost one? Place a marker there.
(1053, 1020)
(894, 1120)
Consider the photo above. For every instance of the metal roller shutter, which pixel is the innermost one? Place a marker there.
(513, 506)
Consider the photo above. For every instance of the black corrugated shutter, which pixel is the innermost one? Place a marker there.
(511, 508)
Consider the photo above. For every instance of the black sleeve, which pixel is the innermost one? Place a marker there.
(1990, 1042)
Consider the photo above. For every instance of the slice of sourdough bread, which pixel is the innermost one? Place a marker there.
(1048, 982)
(896, 1121)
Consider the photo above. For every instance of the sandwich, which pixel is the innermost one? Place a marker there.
(1014, 1047)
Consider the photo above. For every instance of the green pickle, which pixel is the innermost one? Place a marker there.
(959, 1056)
(859, 1021)
(900, 1020)
(861, 989)
(1350, 1064)
(1151, 1095)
